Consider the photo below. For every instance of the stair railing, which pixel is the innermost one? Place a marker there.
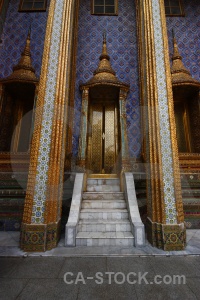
(137, 227)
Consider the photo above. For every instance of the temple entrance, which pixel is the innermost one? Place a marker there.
(103, 137)
(103, 143)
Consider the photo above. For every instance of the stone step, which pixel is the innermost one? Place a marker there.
(103, 204)
(105, 214)
(191, 196)
(103, 176)
(103, 196)
(103, 188)
(195, 192)
(104, 239)
(104, 226)
(103, 181)
(191, 200)
(12, 192)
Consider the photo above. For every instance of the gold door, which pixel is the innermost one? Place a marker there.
(103, 138)
(182, 127)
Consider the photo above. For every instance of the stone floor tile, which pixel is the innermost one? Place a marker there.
(48, 289)
(88, 265)
(176, 265)
(164, 292)
(130, 264)
(37, 267)
(94, 291)
(7, 265)
(9, 238)
(11, 288)
(194, 285)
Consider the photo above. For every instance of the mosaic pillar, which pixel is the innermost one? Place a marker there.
(165, 222)
(83, 131)
(42, 210)
(123, 129)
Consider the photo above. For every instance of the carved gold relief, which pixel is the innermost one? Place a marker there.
(38, 120)
(103, 139)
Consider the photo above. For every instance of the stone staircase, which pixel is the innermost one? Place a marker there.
(12, 194)
(104, 216)
(191, 199)
(190, 184)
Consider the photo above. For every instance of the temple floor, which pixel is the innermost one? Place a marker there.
(42, 278)
(9, 246)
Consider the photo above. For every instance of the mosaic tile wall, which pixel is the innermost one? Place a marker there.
(187, 32)
(43, 160)
(122, 48)
(14, 37)
(165, 137)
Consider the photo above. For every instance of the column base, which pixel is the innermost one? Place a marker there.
(166, 237)
(39, 237)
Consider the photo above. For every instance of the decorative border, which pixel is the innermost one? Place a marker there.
(48, 113)
(174, 143)
(45, 184)
(38, 121)
(58, 138)
(163, 109)
(156, 209)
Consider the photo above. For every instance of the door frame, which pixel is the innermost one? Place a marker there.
(117, 139)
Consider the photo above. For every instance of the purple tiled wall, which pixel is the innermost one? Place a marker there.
(187, 32)
(14, 35)
(122, 48)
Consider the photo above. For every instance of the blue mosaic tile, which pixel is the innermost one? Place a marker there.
(122, 48)
(14, 35)
(187, 32)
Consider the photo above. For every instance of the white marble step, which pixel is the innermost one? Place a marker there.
(104, 214)
(103, 217)
(103, 196)
(103, 204)
(104, 239)
(104, 226)
(100, 181)
(103, 188)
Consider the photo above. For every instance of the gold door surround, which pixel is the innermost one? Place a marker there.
(103, 138)
(103, 134)
(182, 127)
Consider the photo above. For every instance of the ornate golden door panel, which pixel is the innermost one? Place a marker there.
(182, 127)
(103, 137)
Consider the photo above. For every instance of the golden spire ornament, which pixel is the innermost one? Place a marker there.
(23, 71)
(104, 74)
(180, 75)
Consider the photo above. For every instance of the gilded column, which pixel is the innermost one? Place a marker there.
(83, 131)
(42, 210)
(165, 224)
(123, 129)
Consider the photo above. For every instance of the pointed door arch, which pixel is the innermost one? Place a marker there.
(103, 121)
